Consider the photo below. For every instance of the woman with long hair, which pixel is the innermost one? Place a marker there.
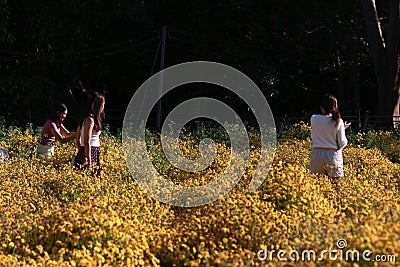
(328, 140)
(54, 130)
(88, 132)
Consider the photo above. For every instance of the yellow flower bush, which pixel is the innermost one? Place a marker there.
(52, 215)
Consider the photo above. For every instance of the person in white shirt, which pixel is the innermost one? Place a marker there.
(88, 133)
(328, 139)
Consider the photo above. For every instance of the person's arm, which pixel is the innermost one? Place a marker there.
(89, 123)
(65, 132)
(341, 136)
(78, 137)
(312, 124)
(60, 138)
(347, 125)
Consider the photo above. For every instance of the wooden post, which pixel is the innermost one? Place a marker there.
(160, 86)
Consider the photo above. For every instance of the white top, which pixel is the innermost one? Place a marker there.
(94, 139)
(326, 134)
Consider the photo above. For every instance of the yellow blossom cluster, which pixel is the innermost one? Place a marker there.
(53, 215)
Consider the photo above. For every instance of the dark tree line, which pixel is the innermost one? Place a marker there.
(385, 54)
(293, 50)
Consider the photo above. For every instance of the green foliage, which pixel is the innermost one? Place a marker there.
(3, 135)
(387, 142)
(300, 131)
(48, 47)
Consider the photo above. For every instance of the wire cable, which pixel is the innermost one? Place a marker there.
(120, 50)
(26, 53)
(72, 56)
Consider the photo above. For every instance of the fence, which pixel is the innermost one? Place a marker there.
(367, 122)
(361, 122)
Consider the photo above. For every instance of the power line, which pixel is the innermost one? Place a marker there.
(155, 58)
(121, 50)
(106, 47)
(75, 55)
(26, 53)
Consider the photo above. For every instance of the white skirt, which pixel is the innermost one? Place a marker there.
(45, 150)
(327, 161)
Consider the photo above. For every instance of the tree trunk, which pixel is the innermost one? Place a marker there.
(355, 84)
(384, 56)
(392, 54)
(396, 111)
(339, 84)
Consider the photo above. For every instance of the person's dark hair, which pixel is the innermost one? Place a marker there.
(98, 101)
(92, 109)
(330, 105)
(86, 107)
(58, 109)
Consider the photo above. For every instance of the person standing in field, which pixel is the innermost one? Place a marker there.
(328, 139)
(88, 132)
(54, 130)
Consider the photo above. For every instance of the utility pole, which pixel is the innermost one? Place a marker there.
(160, 85)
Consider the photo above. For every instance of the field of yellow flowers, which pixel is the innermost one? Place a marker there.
(52, 215)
